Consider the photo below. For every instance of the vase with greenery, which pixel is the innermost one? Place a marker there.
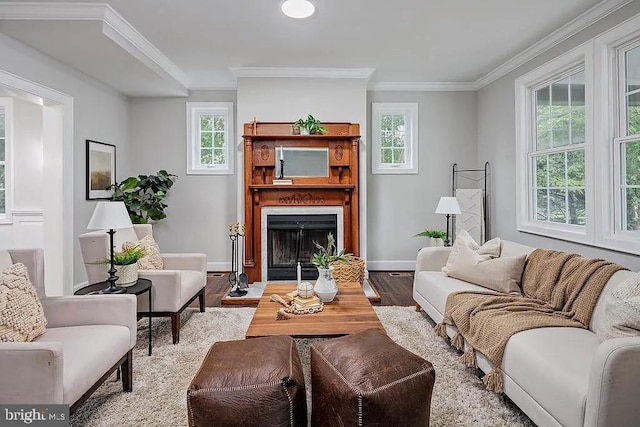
(144, 196)
(326, 287)
(436, 237)
(127, 265)
(310, 126)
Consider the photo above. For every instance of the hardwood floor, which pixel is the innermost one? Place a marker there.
(395, 288)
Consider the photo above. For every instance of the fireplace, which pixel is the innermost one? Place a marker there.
(290, 241)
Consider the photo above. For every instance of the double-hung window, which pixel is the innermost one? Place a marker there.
(5, 158)
(395, 138)
(553, 132)
(210, 138)
(627, 141)
(557, 154)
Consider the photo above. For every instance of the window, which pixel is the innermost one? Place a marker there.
(627, 141)
(553, 137)
(210, 138)
(395, 138)
(557, 157)
(5, 158)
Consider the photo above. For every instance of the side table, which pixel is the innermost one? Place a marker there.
(139, 288)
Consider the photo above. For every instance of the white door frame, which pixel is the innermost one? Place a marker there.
(57, 210)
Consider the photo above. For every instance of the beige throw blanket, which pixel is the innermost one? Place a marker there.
(559, 290)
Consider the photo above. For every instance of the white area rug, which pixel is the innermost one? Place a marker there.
(160, 381)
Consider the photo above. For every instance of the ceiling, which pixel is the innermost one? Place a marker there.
(166, 47)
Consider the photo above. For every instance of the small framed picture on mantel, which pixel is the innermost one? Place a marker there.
(101, 170)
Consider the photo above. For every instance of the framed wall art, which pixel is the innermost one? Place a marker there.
(101, 169)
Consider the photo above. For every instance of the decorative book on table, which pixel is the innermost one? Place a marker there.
(282, 182)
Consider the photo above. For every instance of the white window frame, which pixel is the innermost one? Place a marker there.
(6, 105)
(194, 111)
(608, 131)
(525, 86)
(410, 113)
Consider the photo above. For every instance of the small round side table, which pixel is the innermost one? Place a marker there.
(139, 288)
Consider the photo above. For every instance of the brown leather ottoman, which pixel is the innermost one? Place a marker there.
(256, 382)
(367, 379)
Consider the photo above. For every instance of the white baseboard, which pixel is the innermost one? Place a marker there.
(219, 266)
(391, 265)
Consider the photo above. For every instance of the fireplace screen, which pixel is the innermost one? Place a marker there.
(290, 240)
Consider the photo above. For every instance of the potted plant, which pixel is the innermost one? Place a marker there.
(297, 126)
(310, 126)
(436, 237)
(144, 196)
(127, 265)
(326, 288)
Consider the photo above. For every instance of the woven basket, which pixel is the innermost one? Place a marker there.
(350, 271)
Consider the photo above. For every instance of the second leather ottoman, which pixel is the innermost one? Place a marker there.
(255, 382)
(366, 379)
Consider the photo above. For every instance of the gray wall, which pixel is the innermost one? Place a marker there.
(99, 113)
(496, 143)
(201, 207)
(399, 206)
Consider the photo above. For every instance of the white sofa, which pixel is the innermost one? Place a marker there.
(86, 340)
(557, 376)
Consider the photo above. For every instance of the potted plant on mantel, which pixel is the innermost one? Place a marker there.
(144, 196)
(310, 126)
(326, 288)
(436, 237)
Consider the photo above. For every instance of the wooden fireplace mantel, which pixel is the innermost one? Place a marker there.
(261, 167)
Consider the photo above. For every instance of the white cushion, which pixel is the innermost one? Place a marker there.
(5, 260)
(87, 351)
(599, 311)
(621, 311)
(552, 365)
(501, 274)
(191, 284)
(488, 250)
(435, 286)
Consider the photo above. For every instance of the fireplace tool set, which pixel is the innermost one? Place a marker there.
(237, 279)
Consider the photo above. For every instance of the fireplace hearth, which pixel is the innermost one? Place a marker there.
(290, 241)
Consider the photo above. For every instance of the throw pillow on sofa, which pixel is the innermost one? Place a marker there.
(488, 250)
(621, 311)
(498, 274)
(21, 315)
(152, 259)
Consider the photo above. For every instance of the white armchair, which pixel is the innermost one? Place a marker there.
(87, 338)
(175, 287)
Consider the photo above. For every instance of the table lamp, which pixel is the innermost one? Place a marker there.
(110, 215)
(448, 206)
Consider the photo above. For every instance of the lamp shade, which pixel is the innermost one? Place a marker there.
(109, 215)
(298, 8)
(448, 205)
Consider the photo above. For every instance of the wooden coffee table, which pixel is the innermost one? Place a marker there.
(349, 313)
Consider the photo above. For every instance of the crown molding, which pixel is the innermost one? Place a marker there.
(597, 12)
(326, 73)
(114, 26)
(214, 85)
(422, 86)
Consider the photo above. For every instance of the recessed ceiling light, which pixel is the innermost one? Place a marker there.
(298, 8)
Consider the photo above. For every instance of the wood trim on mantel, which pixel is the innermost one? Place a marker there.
(340, 188)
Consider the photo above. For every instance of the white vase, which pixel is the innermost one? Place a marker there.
(435, 241)
(325, 288)
(304, 131)
(127, 275)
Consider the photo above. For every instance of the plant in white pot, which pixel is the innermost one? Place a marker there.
(326, 288)
(126, 263)
(436, 237)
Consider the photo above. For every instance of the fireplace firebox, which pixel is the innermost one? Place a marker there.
(290, 241)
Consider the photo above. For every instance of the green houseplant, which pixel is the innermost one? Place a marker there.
(144, 196)
(436, 237)
(326, 255)
(312, 125)
(127, 262)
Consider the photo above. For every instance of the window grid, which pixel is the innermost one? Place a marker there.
(210, 138)
(561, 198)
(393, 138)
(212, 150)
